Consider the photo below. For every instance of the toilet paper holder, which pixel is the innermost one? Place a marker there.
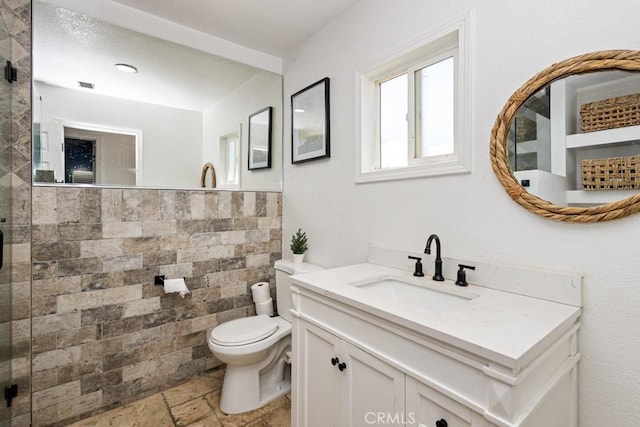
(171, 286)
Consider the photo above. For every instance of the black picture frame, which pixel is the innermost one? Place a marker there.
(260, 139)
(310, 124)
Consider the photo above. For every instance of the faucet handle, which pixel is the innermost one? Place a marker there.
(418, 268)
(462, 275)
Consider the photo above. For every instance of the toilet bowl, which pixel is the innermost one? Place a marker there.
(257, 350)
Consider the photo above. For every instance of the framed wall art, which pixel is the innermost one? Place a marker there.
(310, 123)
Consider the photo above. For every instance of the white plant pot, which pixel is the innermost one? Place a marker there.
(298, 258)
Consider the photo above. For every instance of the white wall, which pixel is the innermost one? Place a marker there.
(262, 91)
(171, 138)
(474, 217)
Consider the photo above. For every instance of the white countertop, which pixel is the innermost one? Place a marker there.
(503, 327)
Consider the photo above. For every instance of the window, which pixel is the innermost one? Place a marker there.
(393, 122)
(229, 174)
(413, 110)
(434, 108)
(79, 160)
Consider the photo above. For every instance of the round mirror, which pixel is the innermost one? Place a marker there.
(567, 143)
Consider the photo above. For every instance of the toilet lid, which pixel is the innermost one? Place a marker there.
(244, 331)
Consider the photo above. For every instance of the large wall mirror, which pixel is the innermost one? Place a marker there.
(566, 145)
(117, 107)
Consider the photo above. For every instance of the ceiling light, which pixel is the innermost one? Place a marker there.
(298, 110)
(126, 68)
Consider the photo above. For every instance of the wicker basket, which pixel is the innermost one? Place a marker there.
(615, 173)
(610, 113)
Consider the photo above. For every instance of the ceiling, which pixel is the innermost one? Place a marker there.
(272, 26)
(70, 44)
(70, 47)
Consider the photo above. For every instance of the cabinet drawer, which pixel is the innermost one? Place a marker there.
(428, 408)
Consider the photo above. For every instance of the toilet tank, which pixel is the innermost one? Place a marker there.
(284, 269)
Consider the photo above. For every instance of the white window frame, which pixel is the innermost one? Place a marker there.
(450, 40)
(236, 135)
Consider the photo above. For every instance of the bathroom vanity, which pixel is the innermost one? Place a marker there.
(374, 345)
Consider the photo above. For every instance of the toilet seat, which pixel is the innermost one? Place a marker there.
(244, 331)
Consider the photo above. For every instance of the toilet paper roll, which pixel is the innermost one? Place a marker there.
(265, 307)
(175, 285)
(260, 292)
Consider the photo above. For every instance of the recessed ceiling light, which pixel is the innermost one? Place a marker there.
(298, 110)
(126, 68)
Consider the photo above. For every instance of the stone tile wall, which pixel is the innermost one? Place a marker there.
(15, 178)
(102, 332)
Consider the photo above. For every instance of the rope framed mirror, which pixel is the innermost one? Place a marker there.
(505, 133)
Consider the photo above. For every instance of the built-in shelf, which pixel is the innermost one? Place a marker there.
(598, 197)
(603, 137)
(558, 162)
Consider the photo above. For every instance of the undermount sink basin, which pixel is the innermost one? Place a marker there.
(417, 294)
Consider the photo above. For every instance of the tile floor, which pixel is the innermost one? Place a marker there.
(192, 404)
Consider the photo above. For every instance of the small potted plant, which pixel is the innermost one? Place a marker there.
(299, 246)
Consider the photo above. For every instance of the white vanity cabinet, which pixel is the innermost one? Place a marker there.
(342, 385)
(361, 361)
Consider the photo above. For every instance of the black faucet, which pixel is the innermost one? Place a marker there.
(427, 250)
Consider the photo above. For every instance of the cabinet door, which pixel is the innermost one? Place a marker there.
(429, 408)
(373, 391)
(318, 384)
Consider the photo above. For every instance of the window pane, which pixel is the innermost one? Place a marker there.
(393, 122)
(434, 109)
(231, 160)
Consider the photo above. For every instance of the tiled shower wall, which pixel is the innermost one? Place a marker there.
(102, 332)
(16, 15)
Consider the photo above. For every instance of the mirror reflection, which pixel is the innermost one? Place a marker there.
(115, 107)
(260, 139)
(575, 142)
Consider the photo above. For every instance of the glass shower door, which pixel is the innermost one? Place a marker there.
(5, 218)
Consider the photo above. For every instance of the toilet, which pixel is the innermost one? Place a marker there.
(257, 349)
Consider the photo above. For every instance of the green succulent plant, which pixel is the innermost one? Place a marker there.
(299, 243)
